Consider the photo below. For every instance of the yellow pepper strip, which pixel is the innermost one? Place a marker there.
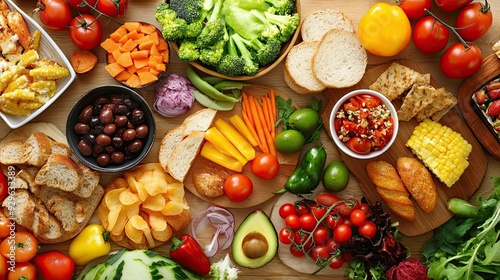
(214, 136)
(242, 128)
(211, 153)
(90, 244)
(236, 139)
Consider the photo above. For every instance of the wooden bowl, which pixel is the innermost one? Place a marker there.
(285, 48)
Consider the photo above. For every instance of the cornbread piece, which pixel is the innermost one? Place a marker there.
(418, 181)
(391, 189)
(441, 149)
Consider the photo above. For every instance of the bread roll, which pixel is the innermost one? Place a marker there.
(418, 181)
(390, 187)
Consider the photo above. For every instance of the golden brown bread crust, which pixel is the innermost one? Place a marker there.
(418, 181)
(209, 180)
(391, 189)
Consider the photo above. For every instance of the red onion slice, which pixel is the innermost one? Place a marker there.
(219, 218)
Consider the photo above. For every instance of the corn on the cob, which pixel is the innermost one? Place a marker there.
(441, 149)
(35, 39)
(10, 107)
(20, 94)
(49, 72)
(28, 58)
(44, 87)
(19, 82)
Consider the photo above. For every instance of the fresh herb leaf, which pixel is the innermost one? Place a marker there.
(285, 109)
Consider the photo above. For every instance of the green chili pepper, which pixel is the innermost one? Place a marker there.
(308, 175)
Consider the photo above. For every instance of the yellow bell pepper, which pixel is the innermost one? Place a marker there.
(243, 146)
(90, 244)
(209, 152)
(214, 136)
(242, 128)
(384, 30)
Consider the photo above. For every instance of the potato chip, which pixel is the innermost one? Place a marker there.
(178, 222)
(163, 235)
(112, 199)
(172, 208)
(139, 223)
(133, 234)
(176, 194)
(120, 222)
(102, 213)
(118, 237)
(157, 221)
(127, 197)
(132, 183)
(133, 209)
(154, 203)
(113, 217)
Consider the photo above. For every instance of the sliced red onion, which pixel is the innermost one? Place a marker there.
(222, 220)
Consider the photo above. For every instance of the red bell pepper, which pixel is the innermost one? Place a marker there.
(4, 186)
(188, 252)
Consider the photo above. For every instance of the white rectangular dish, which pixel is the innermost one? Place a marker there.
(47, 49)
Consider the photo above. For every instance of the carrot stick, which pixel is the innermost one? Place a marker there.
(267, 116)
(273, 104)
(246, 108)
(259, 127)
(270, 142)
(251, 128)
(272, 118)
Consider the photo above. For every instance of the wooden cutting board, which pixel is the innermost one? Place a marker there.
(263, 190)
(464, 188)
(489, 70)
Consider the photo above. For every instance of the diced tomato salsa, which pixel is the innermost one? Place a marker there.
(364, 124)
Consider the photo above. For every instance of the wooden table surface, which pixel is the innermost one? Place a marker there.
(144, 11)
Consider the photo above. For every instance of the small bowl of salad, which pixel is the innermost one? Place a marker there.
(364, 124)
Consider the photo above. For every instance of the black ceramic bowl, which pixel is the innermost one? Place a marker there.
(98, 143)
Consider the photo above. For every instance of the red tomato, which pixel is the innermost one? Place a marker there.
(287, 209)
(318, 211)
(265, 166)
(358, 217)
(320, 252)
(4, 267)
(24, 271)
(5, 226)
(459, 61)
(54, 265)
(368, 229)
(333, 220)
(332, 245)
(85, 31)
(474, 20)
(307, 222)
(327, 199)
(368, 100)
(286, 235)
(238, 187)
(54, 14)
(336, 262)
(414, 9)
(342, 233)
(112, 8)
(430, 36)
(366, 208)
(4, 186)
(359, 145)
(302, 208)
(296, 251)
(345, 209)
(451, 5)
(304, 240)
(320, 235)
(293, 222)
(82, 8)
(24, 244)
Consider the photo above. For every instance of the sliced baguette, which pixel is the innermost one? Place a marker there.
(168, 143)
(90, 181)
(37, 149)
(340, 59)
(60, 172)
(199, 121)
(321, 21)
(184, 154)
(13, 153)
(298, 73)
(24, 208)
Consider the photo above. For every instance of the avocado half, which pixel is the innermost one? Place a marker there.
(256, 242)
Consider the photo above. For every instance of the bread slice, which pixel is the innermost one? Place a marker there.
(37, 149)
(184, 154)
(89, 182)
(168, 144)
(60, 148)
(199, 121)
(298, 73)
(60, 172)
(24, 208)
(340, 59)
(46, 226)
(315, 25)
(28, 177)
(13, 153)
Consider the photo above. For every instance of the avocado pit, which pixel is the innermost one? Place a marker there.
(255, 245)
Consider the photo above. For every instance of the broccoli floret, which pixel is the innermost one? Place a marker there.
(269, 30)
(231, 64)
(286, 23)
(189, 10)
(164, 13)
(282, 7)
(173, 27)
(188, 51)
(251, 64)
(213, 54)
(193, 29)
(266, 52)
(214, 28)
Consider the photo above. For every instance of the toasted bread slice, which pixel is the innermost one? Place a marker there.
(89, 182)
(298, 73)
(418, 181)
(13, 153)
(38, 149)
(340, 59)
(168, 144)
(60, 172)
(316, 24)
(397, 79)
(184, 154)
(24, 208)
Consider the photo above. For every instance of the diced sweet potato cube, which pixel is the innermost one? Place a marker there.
(114, 69)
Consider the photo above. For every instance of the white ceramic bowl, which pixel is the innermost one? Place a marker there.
(341, 145)
(50, 50)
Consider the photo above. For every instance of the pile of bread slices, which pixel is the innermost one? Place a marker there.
(52, 195)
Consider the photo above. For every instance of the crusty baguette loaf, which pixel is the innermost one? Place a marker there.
(391, 189)
(60, 172)
(340, 59)
(418, 181)
(184, 154)
(316, 24)
(298, 73)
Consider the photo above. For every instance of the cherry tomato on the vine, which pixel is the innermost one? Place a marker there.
(320, 235)
(414, 9)
(333, 220)
(368, 229)
(80, 7)
(319, 252)
(286, 235)
(287, 209)
(112, 8)
(358, 217)
(5, 226)
(474, 20)
(342, 233)
(238, 187)
(293, 222)
(302, 208)
(265, 166)
(307, 222)
(336, 262)
(85, 31)
(430, 36)
(296, 251)
(54, 14)
(451, 5)
(318, 211)
(460, 61)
